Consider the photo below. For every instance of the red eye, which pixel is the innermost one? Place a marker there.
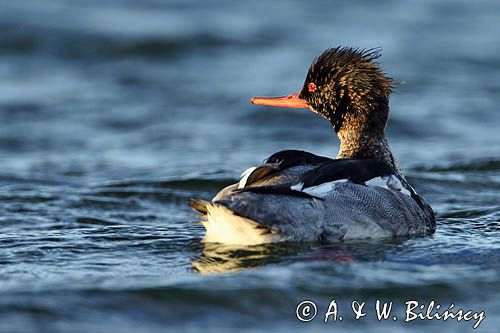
(312, 87)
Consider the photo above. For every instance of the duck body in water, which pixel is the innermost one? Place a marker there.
(296, 195)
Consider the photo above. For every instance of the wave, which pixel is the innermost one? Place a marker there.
(190, 183)
(76, 44)
(485, 164)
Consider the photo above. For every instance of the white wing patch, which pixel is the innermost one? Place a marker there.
(388, 182)
(391, 182)
(319, 190)
(244, 177)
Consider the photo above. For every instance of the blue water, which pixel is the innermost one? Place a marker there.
(114, 113)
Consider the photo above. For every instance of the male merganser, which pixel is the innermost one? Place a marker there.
(296, 195)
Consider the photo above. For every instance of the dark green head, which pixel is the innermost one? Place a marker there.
(346, 86)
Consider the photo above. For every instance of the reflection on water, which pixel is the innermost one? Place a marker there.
(221, 258)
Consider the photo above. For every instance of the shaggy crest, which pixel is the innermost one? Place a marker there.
(348, 81)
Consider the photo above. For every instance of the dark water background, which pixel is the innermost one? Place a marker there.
(114, 113)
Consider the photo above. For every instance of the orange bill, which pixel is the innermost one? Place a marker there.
(290, 101)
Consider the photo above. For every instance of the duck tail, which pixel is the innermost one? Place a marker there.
(199, 205)
(223, 225)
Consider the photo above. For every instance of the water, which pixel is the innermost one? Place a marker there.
(114, 113)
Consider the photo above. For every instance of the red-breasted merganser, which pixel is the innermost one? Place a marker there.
(296, 195)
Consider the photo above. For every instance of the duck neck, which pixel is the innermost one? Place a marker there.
(365, 145)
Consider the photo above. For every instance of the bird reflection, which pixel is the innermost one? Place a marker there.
(221, 258)
(216, 258)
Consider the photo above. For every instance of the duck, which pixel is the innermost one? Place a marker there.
(299, 196)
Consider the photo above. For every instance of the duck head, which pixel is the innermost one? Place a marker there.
(347, 87)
